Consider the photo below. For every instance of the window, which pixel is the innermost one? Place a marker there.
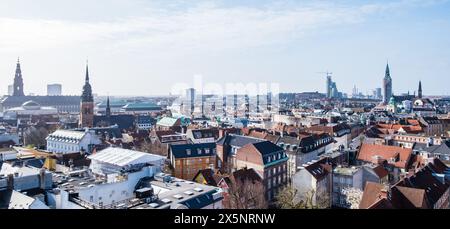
(188, 151)
(207, 151)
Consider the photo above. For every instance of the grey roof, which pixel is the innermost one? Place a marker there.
(443, 148)
(16, 101)
(238, 140)
(181, 150)
(124, 121)
(182, 194)
(267, 147)
(111, 131)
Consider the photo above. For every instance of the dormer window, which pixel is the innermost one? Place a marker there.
(188, 152)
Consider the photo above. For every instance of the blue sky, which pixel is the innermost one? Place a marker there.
(138, 47)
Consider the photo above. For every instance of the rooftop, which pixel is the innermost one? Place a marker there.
(122, 157)
(346, 170)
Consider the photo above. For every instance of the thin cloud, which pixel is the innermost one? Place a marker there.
(206, 26)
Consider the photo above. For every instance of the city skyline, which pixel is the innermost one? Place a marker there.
(285, 42)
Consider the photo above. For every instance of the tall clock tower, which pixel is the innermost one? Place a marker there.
(87, 104)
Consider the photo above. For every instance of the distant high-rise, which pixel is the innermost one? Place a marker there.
(18, 81)
(235, 105)
(329, 85)
(420, 90)
(87, 103)
(203, 105)
(332, 91)
(224, 105)
(378, 93)
(247, 106)
(190, 96)
(54, 89)
(257, 103)
(10, 89)
(387, 86)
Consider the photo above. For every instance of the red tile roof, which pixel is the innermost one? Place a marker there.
(410, 197)
(380, 171)
(373, 192)
(376, 153)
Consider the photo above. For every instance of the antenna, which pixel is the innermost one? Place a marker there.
(327, 73)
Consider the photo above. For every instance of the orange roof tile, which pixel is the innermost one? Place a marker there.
(376, 153)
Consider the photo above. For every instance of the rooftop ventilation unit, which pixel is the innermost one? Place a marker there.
(178, 196)
(198, 189)
(166, 201)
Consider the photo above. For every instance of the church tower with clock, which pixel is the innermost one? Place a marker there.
(87, 104)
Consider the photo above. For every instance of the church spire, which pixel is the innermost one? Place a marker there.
(388, 73)
(108, 108)
(87, 71)
(87, 104)
(87, 90)
(18, 81)
(420, 89)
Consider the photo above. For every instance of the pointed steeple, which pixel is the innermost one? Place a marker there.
(387, 85)
(87, 90)
(108, 108)
(87, 104)
(387, 74)
(87, 71)
(420, 89)
(18, 81)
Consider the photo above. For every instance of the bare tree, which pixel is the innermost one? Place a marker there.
(153, 148)
(290, 198)
(353, 197)
(246, 194)
(35, 136)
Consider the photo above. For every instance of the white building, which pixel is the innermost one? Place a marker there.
(71, 141)
(120, 178)
(18, 200)
(29, 108)
(345, 178)
(114, 160)
(313, 180)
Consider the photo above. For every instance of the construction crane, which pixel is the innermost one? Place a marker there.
(327, 73)
(50, 158)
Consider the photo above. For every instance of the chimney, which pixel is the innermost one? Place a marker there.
(42, 178)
